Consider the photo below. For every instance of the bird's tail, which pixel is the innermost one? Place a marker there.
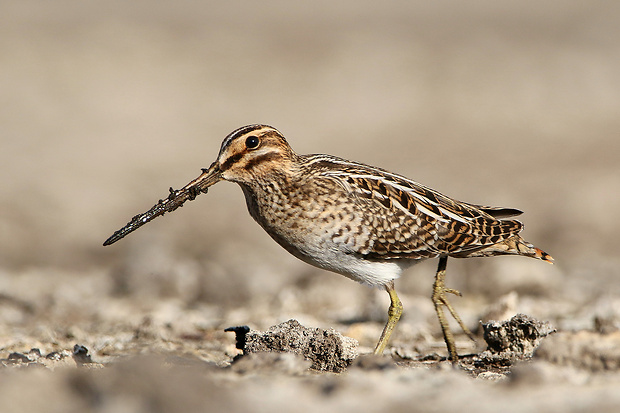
(542, 255)
(522, 247)
(514, 245)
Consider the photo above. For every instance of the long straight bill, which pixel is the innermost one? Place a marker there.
(175, 199)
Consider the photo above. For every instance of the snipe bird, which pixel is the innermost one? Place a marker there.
(357, 220)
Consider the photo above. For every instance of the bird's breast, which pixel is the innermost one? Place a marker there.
(320, 226)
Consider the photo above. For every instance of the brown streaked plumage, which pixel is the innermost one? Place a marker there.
(350, 218)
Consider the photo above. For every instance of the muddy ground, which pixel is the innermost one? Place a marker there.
(106, 105)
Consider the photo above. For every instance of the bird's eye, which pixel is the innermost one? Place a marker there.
(252, 142)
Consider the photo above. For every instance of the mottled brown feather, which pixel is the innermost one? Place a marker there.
(421, 234)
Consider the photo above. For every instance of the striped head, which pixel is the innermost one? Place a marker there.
(251, 152)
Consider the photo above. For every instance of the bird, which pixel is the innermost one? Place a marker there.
(351, 218)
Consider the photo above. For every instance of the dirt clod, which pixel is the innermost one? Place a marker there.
(516, 338)
(328, 350)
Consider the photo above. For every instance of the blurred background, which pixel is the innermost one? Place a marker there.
(107, 104)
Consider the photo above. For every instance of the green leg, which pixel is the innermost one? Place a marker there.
(439, 299)
(394, 313)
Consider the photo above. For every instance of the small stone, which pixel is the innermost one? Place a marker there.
(18, 358)
(80, 354)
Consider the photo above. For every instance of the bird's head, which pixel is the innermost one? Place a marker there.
(248, 154)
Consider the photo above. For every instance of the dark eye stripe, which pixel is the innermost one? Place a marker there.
(233, 159)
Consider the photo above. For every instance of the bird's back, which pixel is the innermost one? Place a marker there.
(406, 220)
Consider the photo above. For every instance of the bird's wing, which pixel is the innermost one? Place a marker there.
(409, 220)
